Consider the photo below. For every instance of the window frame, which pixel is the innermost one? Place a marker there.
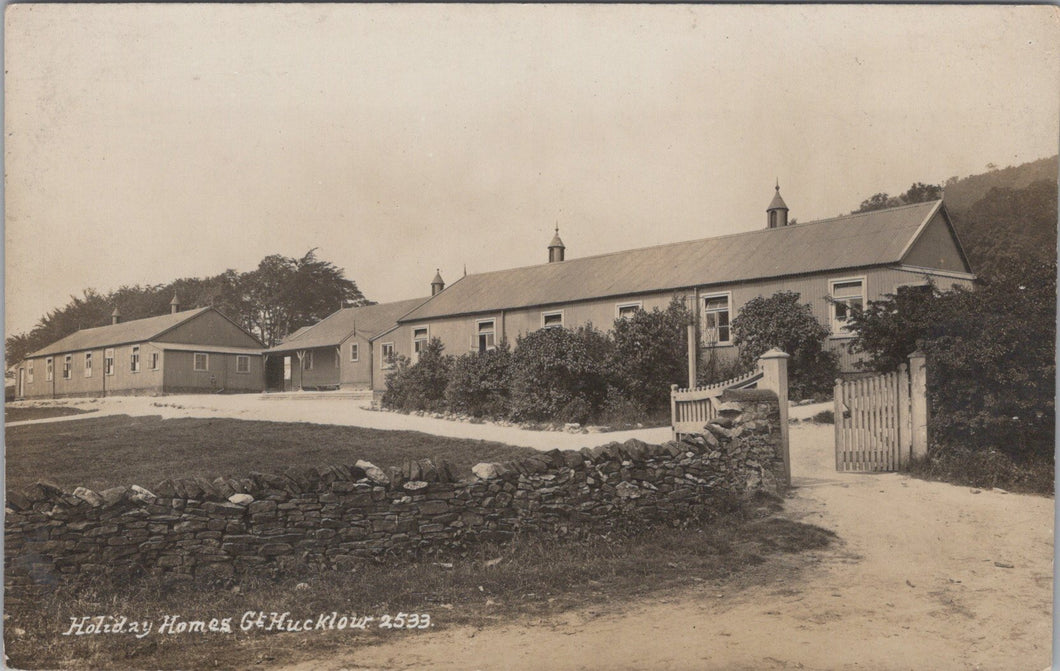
(479, 333)
(68, 367)
(49, 369)
(839, 329)
(307, 360)
(355, 352)
(88, 364)
(108, 361)
(243, 358)
(415, 340)
(195, 362)
(619, 307)
(155, 359)
(29, 372)
(553, 313)
(704, 311)
(386, 362)
(134, 359)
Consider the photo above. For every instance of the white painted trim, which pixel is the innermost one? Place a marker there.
(920, 229)
(49, 369)
(135, 364)
(952, 274)
(840, 333)
(701, 306)
(355, 352)
(108, 353)
(87, 364)
(195, 368)
(492, 321)
(632, 304)
(550, 313)
(383, 363)
(246, 358)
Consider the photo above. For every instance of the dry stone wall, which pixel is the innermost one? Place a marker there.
(335, 516)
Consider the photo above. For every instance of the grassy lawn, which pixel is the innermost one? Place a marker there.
(527, 578)
(24, 414)
(120, 450)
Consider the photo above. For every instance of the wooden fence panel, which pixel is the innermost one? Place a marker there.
(874, 421)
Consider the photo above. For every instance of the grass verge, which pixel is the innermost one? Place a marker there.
(530, 577)
(23, 414)
(987, 469)
(120, 450)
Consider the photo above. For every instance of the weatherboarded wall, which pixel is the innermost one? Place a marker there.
(335, 516)
(220, 375)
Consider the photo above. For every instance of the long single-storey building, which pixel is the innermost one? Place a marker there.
(198, 350)
(836, 265)
(336, 352)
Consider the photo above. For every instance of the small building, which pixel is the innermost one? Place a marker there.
(836, 265)
(194, 351)
(336, 352)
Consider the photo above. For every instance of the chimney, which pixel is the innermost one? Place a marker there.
(556, 248)
(437, 284)
(115, 317)
(174, 305)
(777, 212)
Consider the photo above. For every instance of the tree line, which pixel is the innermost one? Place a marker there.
(278, 297)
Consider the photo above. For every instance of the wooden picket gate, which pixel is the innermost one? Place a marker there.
(881, 421)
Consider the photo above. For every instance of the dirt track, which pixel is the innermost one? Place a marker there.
(926, 576)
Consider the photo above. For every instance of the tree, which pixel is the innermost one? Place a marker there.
(890, 329)
(917, 193)
(421, 385)
(780, 321)
(650, 353)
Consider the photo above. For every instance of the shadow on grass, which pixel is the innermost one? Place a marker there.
(530, 577)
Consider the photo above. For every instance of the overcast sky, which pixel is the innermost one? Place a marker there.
(150, 142)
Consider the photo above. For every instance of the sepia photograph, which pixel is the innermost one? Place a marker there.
(530, 336)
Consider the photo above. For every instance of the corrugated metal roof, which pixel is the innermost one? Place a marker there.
(336, 327)
(137, 330)
(857, 240)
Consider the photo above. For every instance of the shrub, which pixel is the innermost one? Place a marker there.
(480, 383)
(991, 368)
(559, 374)
(420, 386)
(780, 321)
(650, 354)
(824, 417)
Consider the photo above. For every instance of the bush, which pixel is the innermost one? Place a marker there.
(991, 367)
(650, 353)
(559, 374)
(480, 383)
(780, 321)
(420, 386)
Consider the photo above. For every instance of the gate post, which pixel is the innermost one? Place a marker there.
(918, 403)
(905, 420)
(774, 367)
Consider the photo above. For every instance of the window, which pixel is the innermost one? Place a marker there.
(154, 360)
(623, 310)
(487, 338)
(88, 364)
(848, 297)
(716, 329)
(68, 366)
(29, 372)
(108, 361)
(420, 337)
(386, 358)
(552, 319)
(134, 360)
(307, 360)
(354, 353)
(49, 369)
(242, 363)
(201, 361)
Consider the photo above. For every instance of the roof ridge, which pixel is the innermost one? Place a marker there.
(714, 237)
